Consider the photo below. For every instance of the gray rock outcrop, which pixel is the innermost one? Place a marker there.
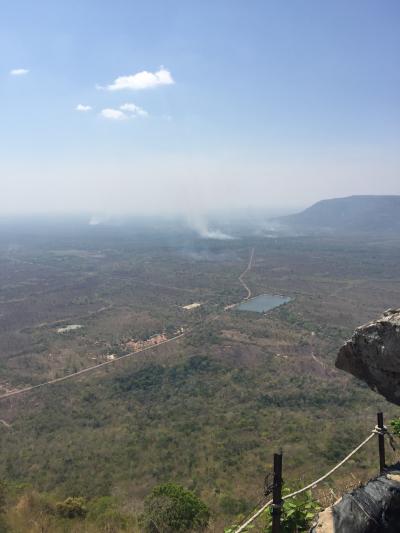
(372, 508)
(373, 355)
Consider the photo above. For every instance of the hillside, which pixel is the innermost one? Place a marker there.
(207, 411)
(354, 214)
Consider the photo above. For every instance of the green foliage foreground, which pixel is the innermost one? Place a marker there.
(171, 508)
(395, 423)
(297, 514)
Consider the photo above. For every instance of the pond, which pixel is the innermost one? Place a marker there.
(263, 303)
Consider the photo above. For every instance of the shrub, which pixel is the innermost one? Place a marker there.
(105, 514)
(170, 508)
(297, 513)
(71, 508)
(395, 423)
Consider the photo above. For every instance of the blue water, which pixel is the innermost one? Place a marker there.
(263, 303)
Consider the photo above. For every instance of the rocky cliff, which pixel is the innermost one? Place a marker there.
(373, 355)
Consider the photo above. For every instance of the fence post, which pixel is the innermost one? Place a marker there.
(381, 443)
(277, 494)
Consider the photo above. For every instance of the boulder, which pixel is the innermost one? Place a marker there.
(372, 508)
(373, 355)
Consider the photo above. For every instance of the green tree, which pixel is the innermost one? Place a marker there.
(71, 508)
(105, 514)
(170, 508)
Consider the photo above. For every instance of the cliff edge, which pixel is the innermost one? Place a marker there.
(373, 355)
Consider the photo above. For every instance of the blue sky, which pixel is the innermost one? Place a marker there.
(260, 103)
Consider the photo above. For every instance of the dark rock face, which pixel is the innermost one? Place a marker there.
(370, 509)
(373, 355)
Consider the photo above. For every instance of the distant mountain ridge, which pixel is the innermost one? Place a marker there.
(355, 214)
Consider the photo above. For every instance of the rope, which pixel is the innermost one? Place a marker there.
(375, 431)
(380, 430)
(384, 431)
(253, 517)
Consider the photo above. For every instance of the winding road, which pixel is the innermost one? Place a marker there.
(248, 268)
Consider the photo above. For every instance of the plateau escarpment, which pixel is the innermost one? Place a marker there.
(371, 214)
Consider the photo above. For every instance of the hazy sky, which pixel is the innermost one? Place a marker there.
(128, 106)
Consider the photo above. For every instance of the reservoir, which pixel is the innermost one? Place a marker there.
(263, 303)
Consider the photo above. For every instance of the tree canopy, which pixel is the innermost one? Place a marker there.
(171, 508)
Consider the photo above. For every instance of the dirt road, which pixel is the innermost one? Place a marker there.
(248, 268)
(88, 369)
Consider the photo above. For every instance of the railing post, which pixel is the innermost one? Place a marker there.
(381, 443)
(277, 494)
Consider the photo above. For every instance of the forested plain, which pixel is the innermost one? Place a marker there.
(206, 411)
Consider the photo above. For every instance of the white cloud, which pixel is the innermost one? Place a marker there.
(84, 108)
(113, 114)
(142, 80)
(19, 72)
(134, 110)
(124, 112)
